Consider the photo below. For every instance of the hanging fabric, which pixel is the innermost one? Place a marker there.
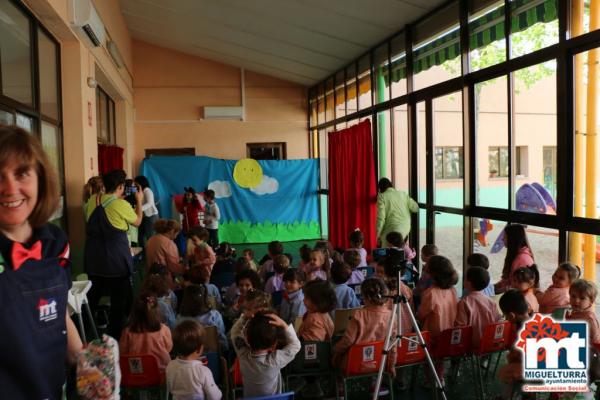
(352, 186)
(109, 158)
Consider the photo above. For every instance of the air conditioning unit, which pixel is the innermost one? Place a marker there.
(225, 112)
(86, 21)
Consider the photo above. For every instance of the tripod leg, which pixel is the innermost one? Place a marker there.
(386, 349)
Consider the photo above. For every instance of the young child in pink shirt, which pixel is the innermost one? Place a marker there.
(476, 309)
(438, 305)
(525, 280)
(145, 334)
(320, 300)
(368, 324)
(557, 294)
(583, 295)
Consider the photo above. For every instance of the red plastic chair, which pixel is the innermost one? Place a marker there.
(410, 351)
(236, 378)
(454, 342)
(140, 374)
(364, 360)
(496, 338)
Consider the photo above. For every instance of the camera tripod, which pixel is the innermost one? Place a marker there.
(390, 344)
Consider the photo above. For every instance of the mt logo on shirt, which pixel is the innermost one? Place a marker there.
(47, 309)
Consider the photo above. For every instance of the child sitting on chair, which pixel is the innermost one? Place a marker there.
(144, 334)
(368, 324)
(525, 280)
(476, 309)
(187, 377)
(583, 296)
(198, 275)
(357, 240)
(292, 303)
(320, 300)
(480, 260)
(260, 360)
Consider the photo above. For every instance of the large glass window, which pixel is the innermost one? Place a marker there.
(436, 48)
(487, 44)
(534, 130)
(351, 101)
(47, 51)
(340, 95)
(382, 73)
(15, 54)
(398, 67)
(449, 240)
(329, 104)
(448, 150)
(364, 82)
(384, 137)
(400, 148)
(534, 25)
(421, 153)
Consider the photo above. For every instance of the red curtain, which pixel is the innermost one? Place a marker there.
(352, 187)
(109, 158)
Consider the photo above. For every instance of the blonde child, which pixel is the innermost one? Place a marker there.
(582, 296)
(256, 348)
(195, 306)
(476, 309)
(320, 300)
(557, 294)
(281, 263)
(249, 256)
(201, 253)
(353, 259)
(368, 324)
(357, 240)
(439, 303)
(292, 303)
(525, 280)
(144, 334)
(319, 266)
(187, 377)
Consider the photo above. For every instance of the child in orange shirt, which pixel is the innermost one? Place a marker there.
(437, 311)
(525, 280)
(320, 300)
(583, 295)
(557, 294)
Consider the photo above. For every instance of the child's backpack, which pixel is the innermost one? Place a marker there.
(98, 372)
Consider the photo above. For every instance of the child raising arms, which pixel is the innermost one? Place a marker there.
(260, 360)
(187, 377)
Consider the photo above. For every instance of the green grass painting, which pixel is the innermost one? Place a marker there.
(247, 232)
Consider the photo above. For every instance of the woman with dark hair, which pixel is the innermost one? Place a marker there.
(150, 211)
(518, 254)
(393, 211)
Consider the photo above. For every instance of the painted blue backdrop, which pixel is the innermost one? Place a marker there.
(283, 207)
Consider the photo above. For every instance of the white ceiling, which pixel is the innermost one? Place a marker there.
(301, 41)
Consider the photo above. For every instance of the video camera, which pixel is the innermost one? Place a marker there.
(394, 261)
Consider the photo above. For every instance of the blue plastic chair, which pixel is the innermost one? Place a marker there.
(282, 396)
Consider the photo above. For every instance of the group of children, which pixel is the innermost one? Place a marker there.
(262, 334)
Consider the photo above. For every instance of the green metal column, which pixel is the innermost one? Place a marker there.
(381, 126)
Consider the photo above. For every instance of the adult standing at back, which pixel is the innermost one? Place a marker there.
(107, 256)
(150, 211)
(393, 211)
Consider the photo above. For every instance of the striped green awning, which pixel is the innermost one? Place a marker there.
(484, 30)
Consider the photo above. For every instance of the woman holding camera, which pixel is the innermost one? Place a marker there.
(149, 209)
(107, 255)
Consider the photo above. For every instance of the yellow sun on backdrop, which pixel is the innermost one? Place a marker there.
(247, 173)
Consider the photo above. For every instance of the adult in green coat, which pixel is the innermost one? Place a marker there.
(393, 211)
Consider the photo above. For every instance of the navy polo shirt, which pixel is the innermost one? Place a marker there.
(33, 303)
